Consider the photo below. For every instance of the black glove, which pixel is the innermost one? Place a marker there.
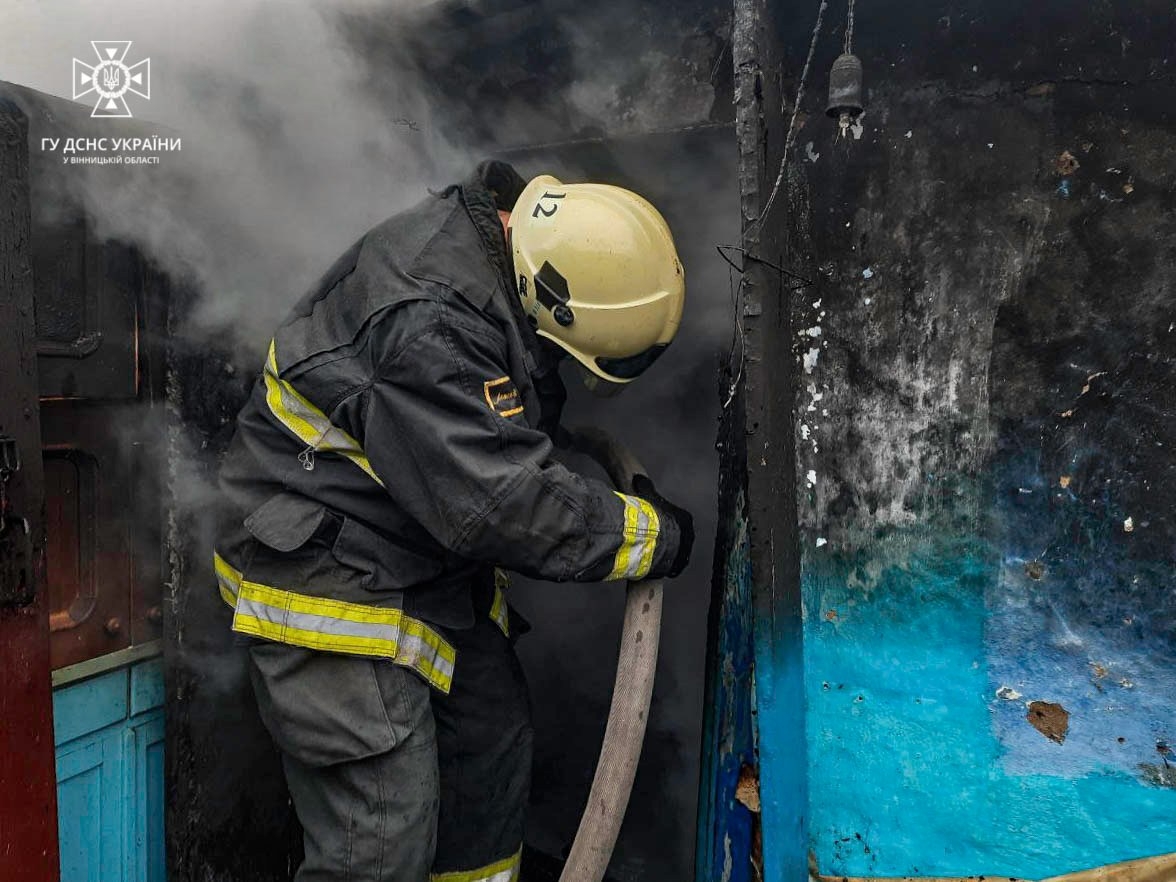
(644, 488)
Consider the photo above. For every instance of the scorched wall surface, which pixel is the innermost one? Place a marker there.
(985, 430)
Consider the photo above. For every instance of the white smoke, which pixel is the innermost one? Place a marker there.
(286, 158)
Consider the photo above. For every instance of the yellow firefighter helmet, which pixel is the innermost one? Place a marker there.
(598, 275)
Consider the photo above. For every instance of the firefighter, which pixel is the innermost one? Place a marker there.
(394, 453)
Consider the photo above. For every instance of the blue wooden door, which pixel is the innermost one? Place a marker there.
(109, 736)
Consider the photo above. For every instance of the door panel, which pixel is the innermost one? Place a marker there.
(71, 525)
(87, 316)
(100, 433)
(28, 822)
(90, 574)
(91, 777)
(147, 858)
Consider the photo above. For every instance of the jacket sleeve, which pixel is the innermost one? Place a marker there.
(445, 428)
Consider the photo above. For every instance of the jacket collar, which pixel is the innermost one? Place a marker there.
(469, 231)
(495, 186)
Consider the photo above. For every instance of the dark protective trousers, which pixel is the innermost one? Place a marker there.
(392, 780)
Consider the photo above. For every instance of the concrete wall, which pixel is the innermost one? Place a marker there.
(984, 426)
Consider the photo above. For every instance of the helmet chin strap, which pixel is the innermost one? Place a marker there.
(599, 386)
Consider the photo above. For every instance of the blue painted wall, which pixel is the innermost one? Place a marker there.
(110, 787)
(726, 826)
(919, 768)
(985, 429)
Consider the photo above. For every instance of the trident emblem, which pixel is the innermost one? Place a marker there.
(111, 78)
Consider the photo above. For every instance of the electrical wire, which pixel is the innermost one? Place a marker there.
(738, 338)
(722, 249)
(791, 136)
(789, 140)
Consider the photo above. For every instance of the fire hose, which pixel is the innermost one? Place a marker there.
(629, 713)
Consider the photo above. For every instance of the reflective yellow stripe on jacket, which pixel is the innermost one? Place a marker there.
(635, 556)
(506, 870)
(499, 611)
(336, 626)
(307, 422)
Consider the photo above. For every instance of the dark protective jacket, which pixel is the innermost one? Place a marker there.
(395, 450)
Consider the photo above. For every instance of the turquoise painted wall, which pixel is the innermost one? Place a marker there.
(919, 768)
(986, 442)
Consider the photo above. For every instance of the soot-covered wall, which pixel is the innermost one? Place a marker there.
(985, 419)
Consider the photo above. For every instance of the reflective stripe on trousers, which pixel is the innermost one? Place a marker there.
(335, 626)
(635, 556)
(506, 870)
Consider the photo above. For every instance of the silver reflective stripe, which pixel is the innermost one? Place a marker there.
(338, 626)
(634, 556)
(401, 646)
(247, 606)
(228, 577)
(634, 563)
(413, 647)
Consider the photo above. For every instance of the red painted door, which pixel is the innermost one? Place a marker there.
(28, 810)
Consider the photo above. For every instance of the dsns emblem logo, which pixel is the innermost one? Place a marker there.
(111, 78)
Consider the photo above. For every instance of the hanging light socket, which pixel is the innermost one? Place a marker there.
(846, 101)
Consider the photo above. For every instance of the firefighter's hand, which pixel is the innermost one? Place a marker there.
(644, 488)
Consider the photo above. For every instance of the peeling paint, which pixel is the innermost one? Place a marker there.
(1159, 775)
(747, 791)
(1050, 719)
(1066, 164)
